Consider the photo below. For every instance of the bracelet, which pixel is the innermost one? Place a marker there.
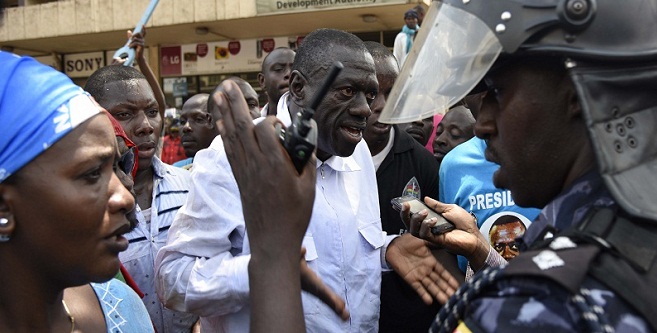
(476, 221)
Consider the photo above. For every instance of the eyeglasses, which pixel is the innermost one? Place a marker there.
(127, 161)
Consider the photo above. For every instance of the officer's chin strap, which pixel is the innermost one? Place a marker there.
(621, 254)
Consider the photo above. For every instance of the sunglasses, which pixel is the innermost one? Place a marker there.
(127, 161)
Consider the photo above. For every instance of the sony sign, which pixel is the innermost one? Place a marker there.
(83, 64)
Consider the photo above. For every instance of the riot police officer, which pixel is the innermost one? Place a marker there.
(568, 114)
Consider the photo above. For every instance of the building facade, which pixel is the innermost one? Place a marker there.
(191, 44)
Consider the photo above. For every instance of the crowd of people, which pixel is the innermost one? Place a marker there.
(544, 163)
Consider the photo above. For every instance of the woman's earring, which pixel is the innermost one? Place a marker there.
(3, 223)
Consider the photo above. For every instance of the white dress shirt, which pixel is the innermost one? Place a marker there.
(399, 48)
(203, 267)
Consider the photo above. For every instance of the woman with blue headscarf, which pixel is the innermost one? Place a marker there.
(62, 207)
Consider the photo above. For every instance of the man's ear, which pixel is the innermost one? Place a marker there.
(574, 106)
(261, 81)
(297, 84)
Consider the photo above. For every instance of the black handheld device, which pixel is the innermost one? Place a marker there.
(441, 227)
(300, 139)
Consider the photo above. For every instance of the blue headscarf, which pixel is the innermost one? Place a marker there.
(38, 106)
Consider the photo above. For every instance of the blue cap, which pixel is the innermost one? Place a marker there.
(412, 13)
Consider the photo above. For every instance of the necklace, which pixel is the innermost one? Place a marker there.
(71, 318)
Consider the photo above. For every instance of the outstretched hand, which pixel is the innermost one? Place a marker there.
(465, 239)
(412, 259)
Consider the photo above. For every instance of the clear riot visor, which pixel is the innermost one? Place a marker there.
(450, 55)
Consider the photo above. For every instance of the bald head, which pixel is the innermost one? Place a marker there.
(456, 127)
(250, 95)
(198, 129)
(275, 75)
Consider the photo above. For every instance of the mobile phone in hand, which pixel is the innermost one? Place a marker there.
(441, 227)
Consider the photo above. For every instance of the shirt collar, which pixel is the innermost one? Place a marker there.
(263, 111)
(381, 156)
(344, 164)
(159, 167)
(282, 112)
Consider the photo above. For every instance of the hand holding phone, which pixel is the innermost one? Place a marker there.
(441, 227)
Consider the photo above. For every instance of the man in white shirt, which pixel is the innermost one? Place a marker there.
(404, 39)
(204, 267)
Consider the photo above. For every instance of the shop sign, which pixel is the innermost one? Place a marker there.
(171, 60)
(202, 49)
(83, 64)
(286, 6)
(218, 57)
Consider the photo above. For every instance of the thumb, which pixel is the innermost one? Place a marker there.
(309, 172)
(436, 205)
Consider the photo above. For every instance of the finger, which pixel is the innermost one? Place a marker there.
(441, 289)
(308, 177)
(422, 292)
(453, 283)
(220, 126)
(309, 173)
(242, 136)
(232, 108)
(135, 44)
(235, 151)
(138, 35)
(224, 127)
(129, 34)
(405, 216)
(444, 284)
(436, 205)
(425, 230)
(416, 221)
(268, 141)
(311, 283)
(242, 121)
(136, 41)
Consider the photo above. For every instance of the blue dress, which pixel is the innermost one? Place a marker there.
(123, 309)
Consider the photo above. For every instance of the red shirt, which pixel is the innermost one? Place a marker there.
(172, 150)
